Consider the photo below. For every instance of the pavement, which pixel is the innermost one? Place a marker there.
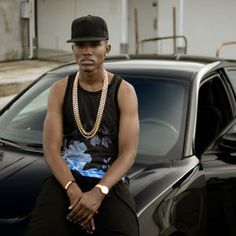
(16, 75)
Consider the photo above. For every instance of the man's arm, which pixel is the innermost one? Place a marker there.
(128, 135)
(52, 140)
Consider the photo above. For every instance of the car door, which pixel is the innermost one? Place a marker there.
(215, 122)
(219, 164)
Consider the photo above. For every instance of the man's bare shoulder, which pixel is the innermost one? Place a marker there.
(58, 89)
(60, 84)
(126, 89)
(127, 97)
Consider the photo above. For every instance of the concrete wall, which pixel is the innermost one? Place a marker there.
(54, 23)
(207, 23)
(10, 30)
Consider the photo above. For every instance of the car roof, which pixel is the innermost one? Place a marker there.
(154, 64)
(172, 57)
(151, 62)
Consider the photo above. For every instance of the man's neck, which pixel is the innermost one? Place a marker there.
(91, 81)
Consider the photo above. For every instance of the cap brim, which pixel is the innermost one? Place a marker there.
(86, 39)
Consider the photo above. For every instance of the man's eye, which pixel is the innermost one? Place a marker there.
(95, 43)
(79, 44)
(88, 44)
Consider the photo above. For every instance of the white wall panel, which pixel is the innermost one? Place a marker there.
(206, 24)
(10, 30)
(55, 22)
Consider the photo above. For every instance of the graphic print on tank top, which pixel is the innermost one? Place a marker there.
(78, 159)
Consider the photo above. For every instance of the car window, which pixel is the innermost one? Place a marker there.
(162, 109)
(162, 113)
(214, 112)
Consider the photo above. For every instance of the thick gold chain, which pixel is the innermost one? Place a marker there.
(89, 134)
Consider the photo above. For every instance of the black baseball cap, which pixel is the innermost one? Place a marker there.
(88, 28)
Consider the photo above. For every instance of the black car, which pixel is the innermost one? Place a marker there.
(184, 177)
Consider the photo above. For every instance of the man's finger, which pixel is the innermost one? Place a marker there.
(73, 213)
(86, 218)
(92, 224)
(73, 204)
(73, 217)
(89, 227)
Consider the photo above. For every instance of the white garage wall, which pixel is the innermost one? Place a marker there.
(148, 28)
(10, 30)
(110, 10)
(207, 23)
(54, 23)
(54, 20)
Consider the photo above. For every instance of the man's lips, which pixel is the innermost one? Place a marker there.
(87, 62)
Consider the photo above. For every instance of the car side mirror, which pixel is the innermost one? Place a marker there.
(228, 142)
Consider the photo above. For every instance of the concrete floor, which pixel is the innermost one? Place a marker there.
(54, 55)
(16, 75)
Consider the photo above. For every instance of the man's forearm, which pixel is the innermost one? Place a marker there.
(59, 168)
(117, 170)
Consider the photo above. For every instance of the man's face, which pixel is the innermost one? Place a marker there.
(90, 55)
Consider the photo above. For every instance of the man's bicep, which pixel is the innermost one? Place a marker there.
(129, 131)
(129, 121)
(52, 131)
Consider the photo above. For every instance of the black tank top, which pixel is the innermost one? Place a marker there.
(91, 157)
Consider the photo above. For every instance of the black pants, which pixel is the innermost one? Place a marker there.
(116, 214)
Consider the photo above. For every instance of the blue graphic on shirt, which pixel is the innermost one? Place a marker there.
(104, 141)
(76, 158)
(95, 141)
(106, 163)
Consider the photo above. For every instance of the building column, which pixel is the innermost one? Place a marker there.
(181, 46)
(124, 34)
(28, 29)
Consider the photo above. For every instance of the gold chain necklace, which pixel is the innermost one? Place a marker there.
(89, 134)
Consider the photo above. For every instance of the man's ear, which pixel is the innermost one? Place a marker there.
(108, 48)
(72, 47)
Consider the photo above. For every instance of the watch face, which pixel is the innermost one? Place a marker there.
(104, 189)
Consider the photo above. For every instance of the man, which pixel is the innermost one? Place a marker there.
(95, 115)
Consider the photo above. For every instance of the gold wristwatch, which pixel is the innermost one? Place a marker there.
(104, 189)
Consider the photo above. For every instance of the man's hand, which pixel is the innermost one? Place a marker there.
(84, 208)
(74, 193)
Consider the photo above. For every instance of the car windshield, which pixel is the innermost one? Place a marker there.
(162, 114)
(22, 123)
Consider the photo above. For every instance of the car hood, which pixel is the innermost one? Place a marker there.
(22, 175)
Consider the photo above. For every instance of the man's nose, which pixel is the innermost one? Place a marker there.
(87, 49)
